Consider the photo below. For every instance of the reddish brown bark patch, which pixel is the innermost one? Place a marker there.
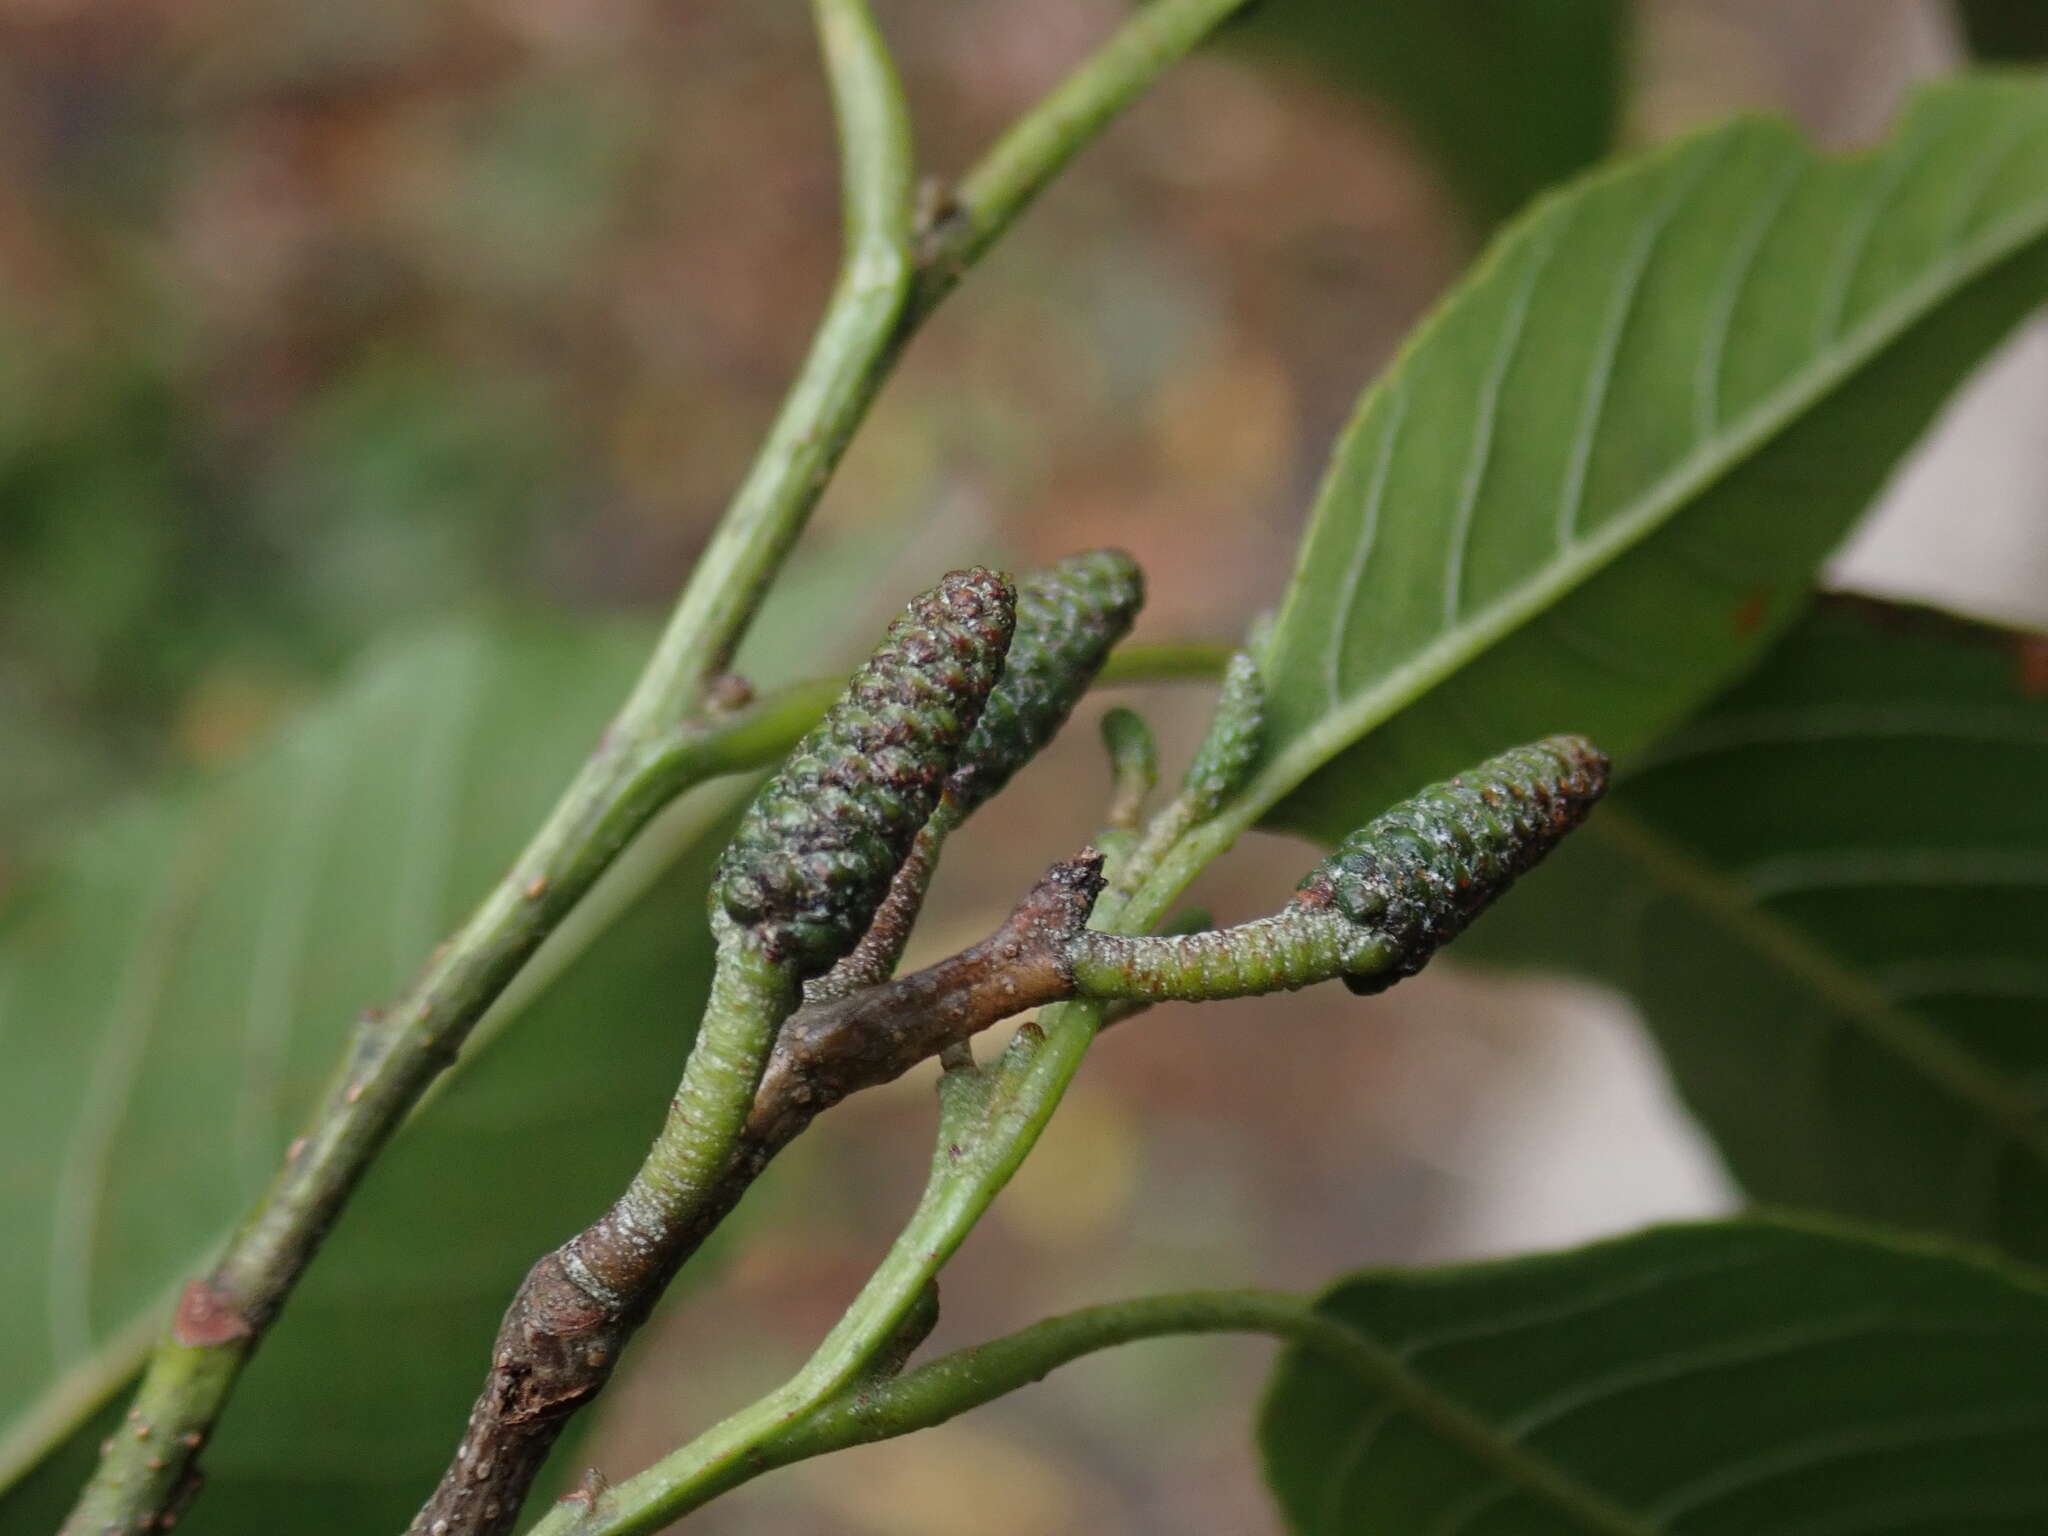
(206, 1319)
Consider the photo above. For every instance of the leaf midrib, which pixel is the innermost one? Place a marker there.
(1403, 685)
(1859, 1003)
(1377, 1366)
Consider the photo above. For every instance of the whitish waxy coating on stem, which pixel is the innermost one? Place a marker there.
(1280, 953)
(1069, 617)
(817, 848)
(1388, 898)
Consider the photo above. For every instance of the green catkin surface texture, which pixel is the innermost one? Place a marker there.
(1422, 871)
(1069, 617)
(816, 850)
(1387, 899)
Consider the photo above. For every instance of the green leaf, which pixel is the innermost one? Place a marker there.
(1598, 482)
(173, 995)
(1505, 99)
(1828, 895)
(1747, 1378)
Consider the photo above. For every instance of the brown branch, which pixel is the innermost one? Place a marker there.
(873, 1037)
(580, 1304)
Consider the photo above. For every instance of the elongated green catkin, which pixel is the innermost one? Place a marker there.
(1069, 617)
(1422, 871)
(816, 850)
(1230, 751)
(1388, 898)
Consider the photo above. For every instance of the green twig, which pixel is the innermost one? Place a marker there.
(952, 1385)
(882, 1409)
(656, 745)
(578, 1306)
(991, 1118)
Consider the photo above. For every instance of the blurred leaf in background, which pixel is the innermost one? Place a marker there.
(211, 946)
(210, 949)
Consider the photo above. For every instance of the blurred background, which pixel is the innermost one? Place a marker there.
(320, 323)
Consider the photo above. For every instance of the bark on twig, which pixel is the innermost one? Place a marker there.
(578, 1307)
(873, 1037)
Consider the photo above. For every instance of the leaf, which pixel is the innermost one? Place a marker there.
(172, 997)
(1746, 1378)
(1828, 894)
(1598, 482)
(1505, 99)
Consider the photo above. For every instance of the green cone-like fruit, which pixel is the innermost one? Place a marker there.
(1390, 897)
(817, 848)
(1422, 871)
(1069, 617)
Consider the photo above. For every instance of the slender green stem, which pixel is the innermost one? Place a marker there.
(877, 1409)
(883, 1409)
(581, 1303)
(749, 999)
(1290, 949)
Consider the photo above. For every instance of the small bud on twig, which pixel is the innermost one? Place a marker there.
(1231, 749)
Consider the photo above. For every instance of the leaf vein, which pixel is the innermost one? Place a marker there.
(1707, 373)
(1487, 415)
(1836, 1446)
(1354, 575)
(1725, 1354)
(1621, 311)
